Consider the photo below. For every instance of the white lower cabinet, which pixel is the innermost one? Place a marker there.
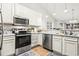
(66, 45)
(40, 36)
(70, 48)
(57, 44)
(8, 47)
(34, 39)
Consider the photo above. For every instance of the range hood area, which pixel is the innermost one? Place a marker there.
(39, 29)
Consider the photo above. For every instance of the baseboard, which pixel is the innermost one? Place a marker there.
(58, 53)
(48, 49)
(36, 46)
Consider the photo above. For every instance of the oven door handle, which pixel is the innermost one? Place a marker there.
(23, 35)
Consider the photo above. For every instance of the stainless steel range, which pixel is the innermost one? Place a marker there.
(23, 41)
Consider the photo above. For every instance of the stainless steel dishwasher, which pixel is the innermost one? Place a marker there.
(47, 41)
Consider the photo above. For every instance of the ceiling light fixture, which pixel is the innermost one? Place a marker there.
(54, 13)
(46, 16)
(66, 10)
(72, 14)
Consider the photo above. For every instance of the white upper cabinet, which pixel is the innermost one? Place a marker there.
(0, 13)
(44, 22)
(19, 10)
(0, 5)
(33, 16)
(7, 13)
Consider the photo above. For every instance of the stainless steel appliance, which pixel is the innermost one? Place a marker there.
(20, 21)
(23, 42)
(47, 41)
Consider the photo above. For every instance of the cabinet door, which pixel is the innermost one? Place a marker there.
(0, 5)
(34, 40)
(22, 11)
(40, 39)
(0, 17)
(0, 13)
(19, 10)
(7, 13)
(57, 44)
(8, 47)
(70, 48)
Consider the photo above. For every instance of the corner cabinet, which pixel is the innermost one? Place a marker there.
(40, 39)
(7, 13)
(34, 39)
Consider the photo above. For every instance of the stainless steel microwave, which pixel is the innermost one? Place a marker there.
(20, 21)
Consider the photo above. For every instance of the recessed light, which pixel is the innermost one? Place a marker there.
(54, 14)
(65, 10)
(46, 16)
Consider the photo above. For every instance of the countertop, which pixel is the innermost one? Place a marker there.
(55, 34)
(8, 35)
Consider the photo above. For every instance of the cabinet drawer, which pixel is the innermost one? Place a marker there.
(57, 37)
(71, 39)
(8, 41)
(8, 37)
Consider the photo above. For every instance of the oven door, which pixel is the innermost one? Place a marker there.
(22, 40)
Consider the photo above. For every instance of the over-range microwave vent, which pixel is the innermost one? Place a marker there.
(20, 21)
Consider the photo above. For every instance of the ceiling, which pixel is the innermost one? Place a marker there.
(50, 8)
